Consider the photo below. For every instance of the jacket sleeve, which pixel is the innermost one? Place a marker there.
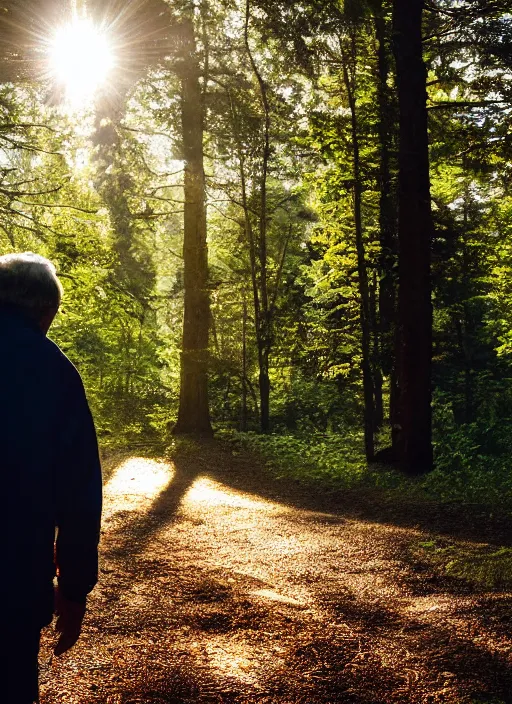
(78, 496)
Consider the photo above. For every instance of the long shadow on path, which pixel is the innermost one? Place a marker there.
(135, 532)
(242, 473)
(477, 523)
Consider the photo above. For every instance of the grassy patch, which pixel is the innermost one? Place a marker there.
(481, 565)
(337, 462)
(332, 460)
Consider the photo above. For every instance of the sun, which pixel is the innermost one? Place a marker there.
(81, 59)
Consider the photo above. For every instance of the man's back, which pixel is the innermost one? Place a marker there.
(50, 469)
(50, 473)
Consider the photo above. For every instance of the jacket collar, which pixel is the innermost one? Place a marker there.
(16, 314)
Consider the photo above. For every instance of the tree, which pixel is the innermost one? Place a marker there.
(349, 70)
(388, 259)
(193, 414)
(412, 437)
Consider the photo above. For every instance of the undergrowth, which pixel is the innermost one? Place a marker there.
(337, 461)
(463, 475)
(481, 565)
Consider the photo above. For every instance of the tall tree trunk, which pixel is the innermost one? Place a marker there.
(243, 414)
(388, 215)
(413, 439)
(387, 200)
(193, 414)
(378, 382)
(467, 325)
(364, 290)
(264, 324)
(256, 279)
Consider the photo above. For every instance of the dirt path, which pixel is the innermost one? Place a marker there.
(218, 585)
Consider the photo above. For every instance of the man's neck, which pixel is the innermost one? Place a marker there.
(14, 312)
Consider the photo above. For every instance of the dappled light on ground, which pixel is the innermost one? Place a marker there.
(234, 659)
(136, 482)
(213, 593)
(213, 494)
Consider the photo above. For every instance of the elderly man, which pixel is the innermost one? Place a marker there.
(51, 475)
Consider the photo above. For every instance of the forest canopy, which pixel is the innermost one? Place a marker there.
(275, 217)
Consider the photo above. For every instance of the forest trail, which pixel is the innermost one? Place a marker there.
(220, 585)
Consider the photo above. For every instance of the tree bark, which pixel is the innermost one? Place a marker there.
(387, 127)
(378, 382)
(364, 290)
(466, 325)
(264, 324)
(243, 414)
(193, 414)
(413, 437)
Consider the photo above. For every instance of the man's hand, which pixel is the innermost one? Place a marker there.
(70, 615)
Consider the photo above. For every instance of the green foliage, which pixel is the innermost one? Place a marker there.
(482, 566)
(106, 326)
(337, 461)
(333, 460)
(489, 569)
(472, 459)
(101, 194)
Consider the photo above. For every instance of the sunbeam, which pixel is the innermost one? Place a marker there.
(81, 59)
(136, 483)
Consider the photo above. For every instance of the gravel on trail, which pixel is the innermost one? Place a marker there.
(219, 584)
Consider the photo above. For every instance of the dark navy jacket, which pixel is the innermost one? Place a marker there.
(50, 472)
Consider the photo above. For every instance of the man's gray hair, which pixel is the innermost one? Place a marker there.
(30, 283)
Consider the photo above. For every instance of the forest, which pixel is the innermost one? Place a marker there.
(275, 218)
(284, 232)
(288, 223)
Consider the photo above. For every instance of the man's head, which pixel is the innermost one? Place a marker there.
(29, 282)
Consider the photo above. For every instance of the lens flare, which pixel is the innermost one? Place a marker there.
(81, 60)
